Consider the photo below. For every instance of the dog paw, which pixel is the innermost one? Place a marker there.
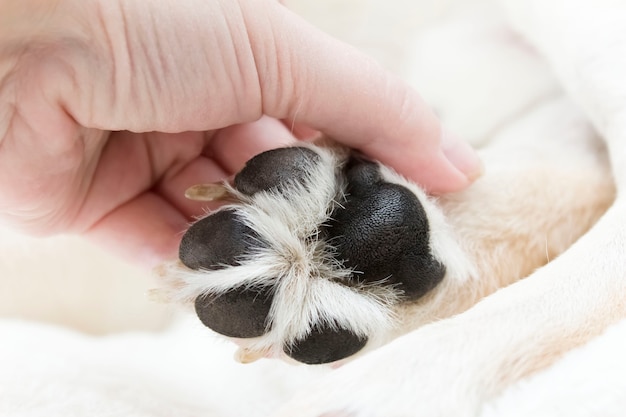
(311, 257)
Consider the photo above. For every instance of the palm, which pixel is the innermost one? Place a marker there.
(126, 190)
(138, 186)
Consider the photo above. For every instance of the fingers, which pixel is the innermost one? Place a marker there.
(235, 145)
(225, 154)
(330, 86)
(254, 58)
(146, 230)
(257, 58)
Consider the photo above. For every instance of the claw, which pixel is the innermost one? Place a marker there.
(170, 284)
(158, 295)
(207, 192)
(246, 355)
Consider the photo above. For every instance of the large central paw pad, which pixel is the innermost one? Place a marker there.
(381, 232)
(312, 258)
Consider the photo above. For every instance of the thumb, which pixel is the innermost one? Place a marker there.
(324, 83)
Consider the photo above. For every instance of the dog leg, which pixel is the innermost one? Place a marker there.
(488, 224)
(451, 367)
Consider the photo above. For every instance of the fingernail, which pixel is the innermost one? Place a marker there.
(461, 155)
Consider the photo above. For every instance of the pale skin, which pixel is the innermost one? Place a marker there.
(110, 109)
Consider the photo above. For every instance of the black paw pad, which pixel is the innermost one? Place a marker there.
(382, 232)
(216, 241)
(275, 168)
(241, 312)
(324, 345)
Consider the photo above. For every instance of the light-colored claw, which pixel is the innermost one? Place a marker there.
(246, 355)
(207, 192)
(158, 295)
(169, 283)
(161, 270)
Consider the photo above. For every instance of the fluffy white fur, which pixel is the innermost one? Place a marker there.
(485, 81)
(303, 272)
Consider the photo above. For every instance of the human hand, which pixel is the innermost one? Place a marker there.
(110, 109)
